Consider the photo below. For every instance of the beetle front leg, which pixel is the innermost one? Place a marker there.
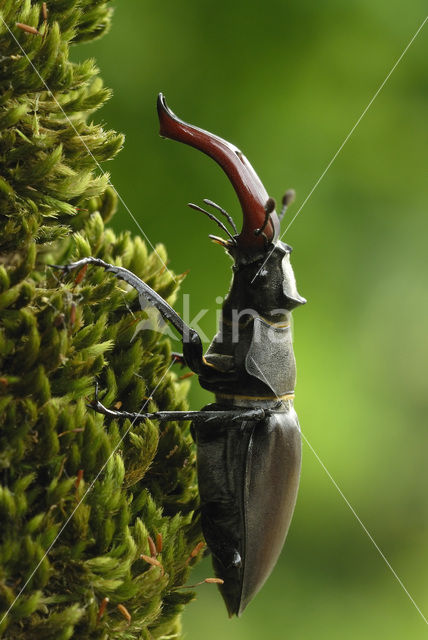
(192, 344)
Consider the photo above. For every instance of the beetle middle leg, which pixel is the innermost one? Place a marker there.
(200, 417)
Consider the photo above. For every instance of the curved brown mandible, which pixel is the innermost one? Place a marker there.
(247, 184)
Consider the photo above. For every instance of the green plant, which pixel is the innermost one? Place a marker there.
(81, 496)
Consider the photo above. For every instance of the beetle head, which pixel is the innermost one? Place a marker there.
(265, 284)
(263, 276)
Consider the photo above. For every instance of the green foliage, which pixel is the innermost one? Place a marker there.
(79, 495)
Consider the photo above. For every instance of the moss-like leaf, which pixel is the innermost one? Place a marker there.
(79, 493)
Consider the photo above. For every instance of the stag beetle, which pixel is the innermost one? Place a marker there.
(248, 440)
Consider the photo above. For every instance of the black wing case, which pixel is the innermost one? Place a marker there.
(248, 480)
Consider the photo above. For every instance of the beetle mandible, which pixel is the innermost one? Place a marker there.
(248, 440)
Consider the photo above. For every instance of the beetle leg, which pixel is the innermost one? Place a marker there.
(199, 417)
(178, 358)
(224, 212)
(192, 345)
(213, 217)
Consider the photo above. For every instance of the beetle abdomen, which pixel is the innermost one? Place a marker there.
(248, 480)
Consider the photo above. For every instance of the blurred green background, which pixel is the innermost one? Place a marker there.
(286, 81)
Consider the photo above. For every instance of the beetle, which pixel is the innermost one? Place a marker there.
(248, 441)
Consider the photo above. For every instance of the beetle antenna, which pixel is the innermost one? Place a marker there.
(269, 208)
(287, 199)
(224, 212)
(212, 217)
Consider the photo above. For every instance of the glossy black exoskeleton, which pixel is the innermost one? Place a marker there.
(248, 441)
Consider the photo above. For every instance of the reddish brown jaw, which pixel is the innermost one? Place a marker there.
(248, 186)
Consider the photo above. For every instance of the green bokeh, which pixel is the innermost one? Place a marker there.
(286, 82)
